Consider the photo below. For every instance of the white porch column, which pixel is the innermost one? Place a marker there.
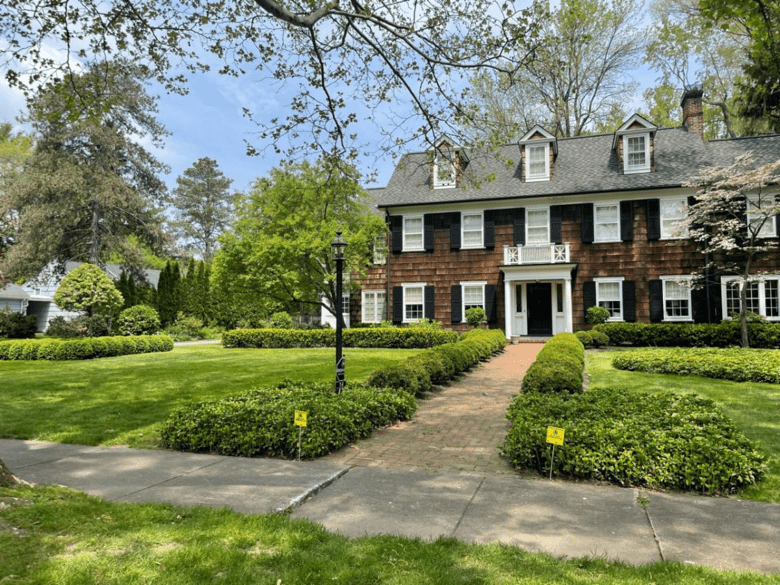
(508, 315)
(567, 306)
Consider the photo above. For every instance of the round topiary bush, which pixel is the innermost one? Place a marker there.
(551, 377)
(138, 320)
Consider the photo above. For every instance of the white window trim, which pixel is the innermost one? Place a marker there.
(629, 169)
(463, 286)
(409, 285)
(437, 184)
(528, 226)
(761, 281)
(376, 318)
(596, 236)
(605, 280)
(379, 251)
(481, 244)
(406, 248)
(769, 227)
(670, 235)
(529, 178)
(664, 280)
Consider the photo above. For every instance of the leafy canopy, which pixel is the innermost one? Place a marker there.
(87, 289)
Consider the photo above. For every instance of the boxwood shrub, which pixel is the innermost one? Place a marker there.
(739, 365)
(593, 338)
(260, 422)
(558, 367)
(725, 334)
(82, 348)
(657, 440)
(385, 337)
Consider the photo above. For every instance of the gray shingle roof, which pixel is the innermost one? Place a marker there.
(13, 291)
(585, 164)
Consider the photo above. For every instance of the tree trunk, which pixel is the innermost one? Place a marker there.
(743, 313)
(7, 479)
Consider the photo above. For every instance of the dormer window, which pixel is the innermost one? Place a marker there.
(443, 172)
(536, 145)
(633, 143)
(447, 162)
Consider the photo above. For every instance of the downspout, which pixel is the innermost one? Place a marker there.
(388, 306)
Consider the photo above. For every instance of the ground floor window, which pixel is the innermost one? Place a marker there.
(414, 297)
(762, 296)
(473, 296)
(374, 306)
(609, 294)
(677, 300)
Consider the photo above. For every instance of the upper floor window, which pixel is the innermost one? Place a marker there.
(606, 223)
(537, 162)
(413, 233)
(761, 224)
(609, 294)
(443, 171)
(636, 153)
(537, 226)
(472, 230)
(380, 250)
(673, 212)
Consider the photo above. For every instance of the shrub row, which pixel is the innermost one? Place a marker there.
(441, 363)
(657, 440)
(386, 337)
(739, 365)
(558, 366)
(725, 334)
(260, 422)
(592, 338)
(14, 325)
(84, 348)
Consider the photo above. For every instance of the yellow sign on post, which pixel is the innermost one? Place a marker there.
(555, 435)
(300, 418)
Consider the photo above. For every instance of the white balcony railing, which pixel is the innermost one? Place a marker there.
(544, 254)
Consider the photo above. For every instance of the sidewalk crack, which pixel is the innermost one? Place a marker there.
(462, 516)
(644, 503)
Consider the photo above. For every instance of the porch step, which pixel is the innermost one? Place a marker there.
(526, 339)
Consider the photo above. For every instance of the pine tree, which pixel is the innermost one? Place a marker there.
(121, 286)
(204, 292)
(190, 293)
(132, 299)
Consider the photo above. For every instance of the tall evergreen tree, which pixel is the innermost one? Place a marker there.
(189, 285)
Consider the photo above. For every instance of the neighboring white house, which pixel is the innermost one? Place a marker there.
(328, 318)
(14, 297)
(40, 291)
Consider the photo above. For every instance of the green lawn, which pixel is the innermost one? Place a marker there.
(123, 400)
(69, 538)
(754, 408)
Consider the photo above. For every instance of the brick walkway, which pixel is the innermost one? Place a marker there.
(457, 429)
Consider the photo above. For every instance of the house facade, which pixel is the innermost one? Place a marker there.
(543, 229)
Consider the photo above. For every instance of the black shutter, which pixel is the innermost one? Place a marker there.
(691, 202)
(588, 295)
(627, 221)
(653, 219)
(455, 231)
(490, 303)
(518, 227)
(629, 301)
(699, 305)
(398, 304)
(586, 228)
(489, 229)
(396, 226)
(556, 236)
(655, 287)
(429, 304)
(428, 232)
(456, 296)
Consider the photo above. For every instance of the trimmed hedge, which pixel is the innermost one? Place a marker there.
(260, 422)
(657, 440)
(592, 338)
(84, 348)
(558, 367)
(386, 337)
(738, 365)
(724, 334)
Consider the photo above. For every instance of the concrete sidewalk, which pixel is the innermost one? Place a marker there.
(560, 518)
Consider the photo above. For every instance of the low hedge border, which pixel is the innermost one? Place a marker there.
(558, 367)
(738, 365)
(660, 440)
(385, 337)
(260, 422)
(83, 348)
(724, 334)
(441, 363)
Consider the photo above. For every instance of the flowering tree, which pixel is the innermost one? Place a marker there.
(732, 220)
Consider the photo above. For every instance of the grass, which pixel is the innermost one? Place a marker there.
(753, 407)
(123, 400)
(69, 538)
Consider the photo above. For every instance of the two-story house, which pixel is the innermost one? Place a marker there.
(542, 229)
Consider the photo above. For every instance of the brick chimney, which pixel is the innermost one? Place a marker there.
(693, 115)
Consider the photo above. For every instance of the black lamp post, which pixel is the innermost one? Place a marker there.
(338, 248)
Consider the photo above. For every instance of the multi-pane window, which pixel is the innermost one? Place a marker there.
(762, 297)
(413, 233)
(538, 226)
(471, 226)
(610, 296)
(677, 301)
(752, 297)
(635, 156)
(772, 298)
(537, 162)
(606, 223)
(413, 302)
(374, 306)
(473, 296)
(443, 172)
(673, 211)
(761, 225)
(380, 250)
